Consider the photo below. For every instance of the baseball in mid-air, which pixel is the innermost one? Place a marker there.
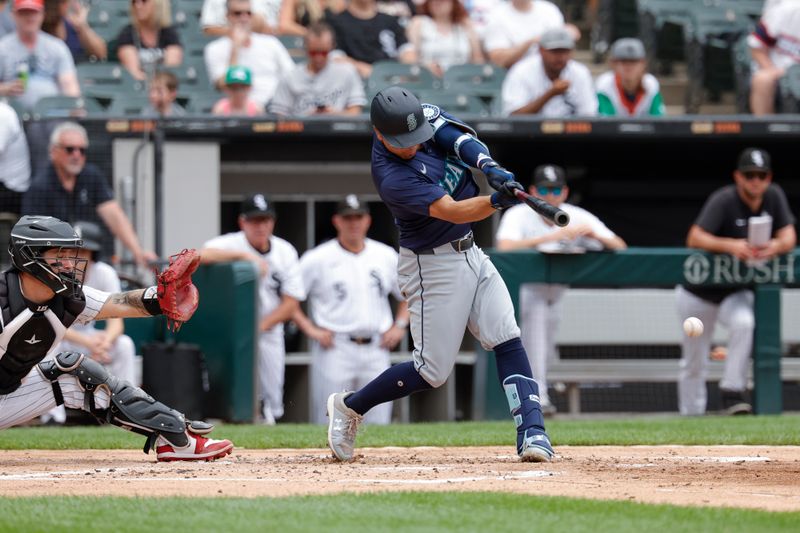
(693, 326)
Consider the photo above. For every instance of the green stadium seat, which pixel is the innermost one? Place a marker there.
(458, 103)
(789, 88)
(387, 73)
(485, 81)
(295, 45)
(128, 105)
(66, 106)
(201, 103)
(107, 74)
(192, 73)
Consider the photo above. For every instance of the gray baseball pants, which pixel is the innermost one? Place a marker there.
(448, 291)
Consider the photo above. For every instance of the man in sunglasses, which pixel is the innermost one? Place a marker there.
(320, 86)
(540, 303)
(72, 190)
(722, 228)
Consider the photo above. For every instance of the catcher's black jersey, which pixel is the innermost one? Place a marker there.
(29, 330)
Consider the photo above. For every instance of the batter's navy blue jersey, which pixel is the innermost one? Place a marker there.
(409, 187)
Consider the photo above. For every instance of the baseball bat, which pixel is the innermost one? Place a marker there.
(548, 211)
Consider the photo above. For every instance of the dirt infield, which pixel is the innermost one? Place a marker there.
(736, 476)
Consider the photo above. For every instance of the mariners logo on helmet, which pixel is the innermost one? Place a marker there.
(411, 120)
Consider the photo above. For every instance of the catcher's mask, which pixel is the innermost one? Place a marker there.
(61, 269)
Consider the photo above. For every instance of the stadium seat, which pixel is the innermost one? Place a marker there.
(789, 89)
(65, 106)
(109, 74)
(20, 109)
(459, 103)
(295, 46)
(484, 81)
(201, 103)
(387, 73)
(192, 73)
(128, 105)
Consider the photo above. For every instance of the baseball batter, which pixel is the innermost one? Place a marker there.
(278, 293)
(421, 159)
(41, 295)
(540, 303)
(348, 280)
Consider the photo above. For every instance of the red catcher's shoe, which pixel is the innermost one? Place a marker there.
(199, 449)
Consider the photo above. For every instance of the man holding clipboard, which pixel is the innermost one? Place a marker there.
(750, 220)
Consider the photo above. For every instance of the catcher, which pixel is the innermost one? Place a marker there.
(41, 295)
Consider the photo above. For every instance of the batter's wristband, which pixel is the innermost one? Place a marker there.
(150, 301)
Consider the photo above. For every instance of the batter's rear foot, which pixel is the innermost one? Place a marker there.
(343, 425)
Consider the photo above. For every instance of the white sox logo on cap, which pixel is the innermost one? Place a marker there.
(260, 202)
(352, 201)
(411, 120)
(757, 158)
(550, 173)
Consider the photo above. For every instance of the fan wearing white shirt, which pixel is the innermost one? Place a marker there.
(551, 83)
(540, 303)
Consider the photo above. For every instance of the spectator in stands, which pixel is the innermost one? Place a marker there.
(150, 39)
(280, 290)
(67, 20)
(365, 35)
(722, 228)
(34, 64)
(264, 17)
(514, 28)
(238, 82)
(297, 15)
(628, 90)
(403, 10)
(442, 35)
(550, 83)
(6, 19)
(479, 12)
(773, 45)
(539, 303)
(264, 55)
(162, 93)
(72, 190)
(108, 346)
(320, 86)
(15, 164)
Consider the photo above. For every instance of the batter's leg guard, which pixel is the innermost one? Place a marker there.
(522, 394)
(130, 407)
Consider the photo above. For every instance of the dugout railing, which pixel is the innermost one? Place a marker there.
(659, 267)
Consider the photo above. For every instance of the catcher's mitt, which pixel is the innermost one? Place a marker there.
(177, 296)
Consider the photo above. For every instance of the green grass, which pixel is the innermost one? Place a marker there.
(708, 430)
(417, 512)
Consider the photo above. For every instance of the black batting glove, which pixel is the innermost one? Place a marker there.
(502, 201)
(496, 175)
(509, 187)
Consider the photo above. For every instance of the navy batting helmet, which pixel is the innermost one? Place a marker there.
(397, 114)
(31, 236)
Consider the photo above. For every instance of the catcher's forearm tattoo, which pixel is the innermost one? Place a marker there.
(143, 300)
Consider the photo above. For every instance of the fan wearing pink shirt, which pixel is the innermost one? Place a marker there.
(238, 81)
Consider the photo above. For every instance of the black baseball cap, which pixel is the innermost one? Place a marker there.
(754, 159)
(91, 235)
(257, 205)
(397, 114)
(550, 176)
(351, 205)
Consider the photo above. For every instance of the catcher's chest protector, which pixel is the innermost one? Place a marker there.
(29, 331)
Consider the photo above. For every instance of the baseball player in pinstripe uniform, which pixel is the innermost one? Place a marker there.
(278, 293)
(421, 159)
(348, 280)
(41, 295)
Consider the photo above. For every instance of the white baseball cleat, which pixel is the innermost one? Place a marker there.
(199, 449)
(343, 425)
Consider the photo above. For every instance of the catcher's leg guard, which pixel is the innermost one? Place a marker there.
(522, 394)
(130, 408)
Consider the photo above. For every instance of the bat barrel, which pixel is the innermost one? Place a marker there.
(551, 212)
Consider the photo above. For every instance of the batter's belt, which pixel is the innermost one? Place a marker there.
(459, 245)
